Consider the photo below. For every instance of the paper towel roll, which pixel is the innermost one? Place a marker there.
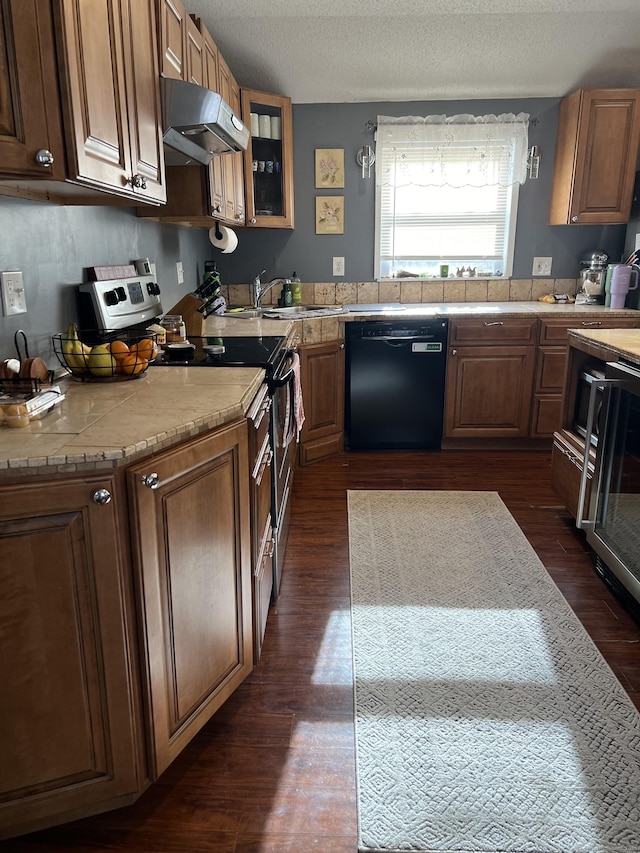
(223, 238)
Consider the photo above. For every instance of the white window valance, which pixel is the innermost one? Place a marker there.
(455, 151)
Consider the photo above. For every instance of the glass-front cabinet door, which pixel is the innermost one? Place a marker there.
(268, 165)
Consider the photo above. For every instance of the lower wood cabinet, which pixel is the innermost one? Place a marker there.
(322, 379)
(70, 726)
(488, 391)
(190, 511)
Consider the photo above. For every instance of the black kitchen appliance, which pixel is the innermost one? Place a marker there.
(395, 384)
(270, 353)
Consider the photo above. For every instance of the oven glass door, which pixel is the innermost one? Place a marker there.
(615, 533)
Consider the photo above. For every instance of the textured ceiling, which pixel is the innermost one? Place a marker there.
(333, 51)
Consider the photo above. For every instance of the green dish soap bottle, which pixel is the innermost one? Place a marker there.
(296, 289)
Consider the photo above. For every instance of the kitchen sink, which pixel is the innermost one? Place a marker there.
(272, 310)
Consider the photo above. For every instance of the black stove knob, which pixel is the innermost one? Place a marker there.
(121, 293)
(111, 297)
(153, 288)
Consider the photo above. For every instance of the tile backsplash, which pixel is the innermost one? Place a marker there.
(411, 292)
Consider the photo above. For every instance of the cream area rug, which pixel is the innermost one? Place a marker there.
(486, 719)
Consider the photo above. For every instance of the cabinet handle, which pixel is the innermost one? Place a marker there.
(151, 481)
(138, 181)
(239, 216)
(271, 547)
(574, 219)
(495, 323)
(454, 352)
(253, 221)
(591, 323)
(266, 461)
(102, 497)
(44, 157)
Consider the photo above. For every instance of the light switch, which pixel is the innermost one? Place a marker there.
(542, 266)
(13, 299)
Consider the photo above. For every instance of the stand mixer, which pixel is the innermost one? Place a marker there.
(592, 278)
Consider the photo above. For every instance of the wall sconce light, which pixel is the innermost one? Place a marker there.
(366, 157)
(533, 162)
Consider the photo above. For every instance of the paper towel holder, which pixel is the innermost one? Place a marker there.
(366, 157)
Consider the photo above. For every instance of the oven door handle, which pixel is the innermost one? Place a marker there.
(597, 385)
(281, 381)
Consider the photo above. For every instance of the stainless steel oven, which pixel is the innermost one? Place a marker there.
(273, 354)
(612, 523)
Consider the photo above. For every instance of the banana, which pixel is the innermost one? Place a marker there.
(74, 351)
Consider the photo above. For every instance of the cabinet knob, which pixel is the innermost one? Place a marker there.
(151, 481)
(454, 352)
(139, 182)
(44, 158)
(253, 221)
(102, 497)
(239, 216)
(217, 208)
(341, 346)
(574, 219)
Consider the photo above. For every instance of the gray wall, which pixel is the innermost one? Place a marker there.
(344, 126)
(53, 245)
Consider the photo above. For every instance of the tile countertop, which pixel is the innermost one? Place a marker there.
(623, 343)
(330, 328)
(108, 424)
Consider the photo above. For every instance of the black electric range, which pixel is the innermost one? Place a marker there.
(267, 352)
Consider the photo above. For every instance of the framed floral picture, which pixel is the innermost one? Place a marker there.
(329, 168)
(329, 214)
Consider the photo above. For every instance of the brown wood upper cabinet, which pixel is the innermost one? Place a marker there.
(596, 151)
(31, 142)
(107, 68)
(199, 195)
(268, 161)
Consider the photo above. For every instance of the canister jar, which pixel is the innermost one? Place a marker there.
(175, 328)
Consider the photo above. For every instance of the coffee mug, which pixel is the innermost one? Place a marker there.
(268, 166)
(261, 165)
(253, 121)
(254, 165)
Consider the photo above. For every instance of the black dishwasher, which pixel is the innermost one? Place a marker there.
(395, 384)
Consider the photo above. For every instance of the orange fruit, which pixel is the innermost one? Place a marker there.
(119, 350)
(146, 348)
(132, 363)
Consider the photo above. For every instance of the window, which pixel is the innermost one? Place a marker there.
(447, 194)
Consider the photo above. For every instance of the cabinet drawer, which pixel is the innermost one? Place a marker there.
(554, 331)
(566, 471)
(510, 330)
(550, 369)
(547, 415)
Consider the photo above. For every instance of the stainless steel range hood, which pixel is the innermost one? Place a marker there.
(197, 124)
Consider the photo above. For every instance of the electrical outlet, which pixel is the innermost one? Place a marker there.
(338, 266)
(13, 300)
(637, 242)
(179, 272)
(542, 266)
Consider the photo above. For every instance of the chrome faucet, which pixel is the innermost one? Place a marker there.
(258, 291)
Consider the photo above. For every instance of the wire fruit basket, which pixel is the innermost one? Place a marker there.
(92, 356)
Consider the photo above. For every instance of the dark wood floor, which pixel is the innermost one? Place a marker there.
(274, 771)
